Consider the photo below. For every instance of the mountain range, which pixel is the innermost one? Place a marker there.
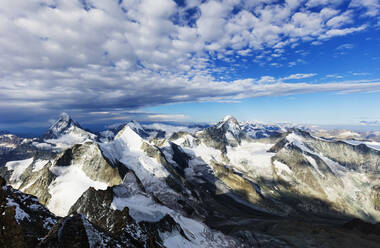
(231, 184)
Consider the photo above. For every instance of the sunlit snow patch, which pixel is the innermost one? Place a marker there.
(252, 157)
(39, 164)
(66, 189)
(18, 168)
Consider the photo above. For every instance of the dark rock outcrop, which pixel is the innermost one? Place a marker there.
(23, 220)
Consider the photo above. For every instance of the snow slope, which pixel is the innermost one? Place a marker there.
(68, 187)
(143, 208)
(252, 158)
(18, 167)
(127, 148)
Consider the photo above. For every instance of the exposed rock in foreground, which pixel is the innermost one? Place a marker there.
(23, 220)
(77, 232)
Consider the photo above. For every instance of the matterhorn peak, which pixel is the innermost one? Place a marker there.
(64, 122)
(63, 125)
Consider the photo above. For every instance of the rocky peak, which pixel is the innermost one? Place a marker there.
(91, 160)
(67, 131)
(134, 125)
(230, 127)
(294, 137)
(229, 124)
(300, 132)
(226, 132)
(63, 124)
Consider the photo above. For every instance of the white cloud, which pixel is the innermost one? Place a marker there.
(341, 32)
(142, 33)
(267, 79)
(370, 123)
(168, 117)
(316, 3)
(372, 6)
(334, 76)
(340, 20)
(122, 55)
(299, 76)
(100, 113)
(361, 73)
(345, 46)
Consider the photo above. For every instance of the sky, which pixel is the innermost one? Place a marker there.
(307, 62)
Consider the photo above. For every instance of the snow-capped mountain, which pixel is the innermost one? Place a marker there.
(345, 134)
(228, 185)
(258, 130)
(66, 132)
(109, 135)
(64, 125)
(151, 130)
(9, 142)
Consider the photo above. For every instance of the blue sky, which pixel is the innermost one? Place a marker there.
(311, 61)
(338, 109)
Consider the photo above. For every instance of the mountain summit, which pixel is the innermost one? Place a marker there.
(229, 123)
(63, 125)
(67, 131)
(231, 129)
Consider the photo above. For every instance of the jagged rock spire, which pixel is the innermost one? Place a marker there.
(63, 125)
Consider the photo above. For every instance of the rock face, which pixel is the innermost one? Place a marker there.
(90, 159)
(38, 183)
(68, 232)
(291, 175)
(82, 164)
(96, 205)
(77, 232)
(336, 174)
(226, 132)
(23, 220)
(151, 226)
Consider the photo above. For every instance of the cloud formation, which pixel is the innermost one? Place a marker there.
(119, 55)
(299, 76)
(370, 123)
